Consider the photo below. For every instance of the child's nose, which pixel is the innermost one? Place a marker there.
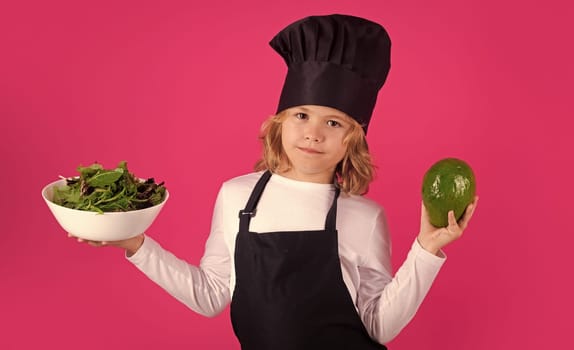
(313, 133)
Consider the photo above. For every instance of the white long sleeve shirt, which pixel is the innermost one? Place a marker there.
(385, 303)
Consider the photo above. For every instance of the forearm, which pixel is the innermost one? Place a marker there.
(400, 299)
(204, 290)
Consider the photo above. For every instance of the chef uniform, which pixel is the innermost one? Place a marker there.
(289, 292)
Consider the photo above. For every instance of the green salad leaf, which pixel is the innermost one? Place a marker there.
(108, 190)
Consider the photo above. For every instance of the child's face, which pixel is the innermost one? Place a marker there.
(312, 138)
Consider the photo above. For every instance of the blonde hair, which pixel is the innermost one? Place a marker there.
(354, 172)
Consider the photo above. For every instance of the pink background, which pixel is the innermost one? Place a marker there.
(179, 91)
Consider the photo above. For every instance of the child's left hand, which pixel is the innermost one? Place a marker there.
(433, 239)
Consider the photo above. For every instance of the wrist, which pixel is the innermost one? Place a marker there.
(428, 246)
(134, 245)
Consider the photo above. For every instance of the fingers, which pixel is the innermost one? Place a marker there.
(453, 227)
(459, 227)
(92, 243)
(424, 212)
(468, 213)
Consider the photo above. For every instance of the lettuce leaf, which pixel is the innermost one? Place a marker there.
(108, 190)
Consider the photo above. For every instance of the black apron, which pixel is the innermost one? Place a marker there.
(289, 292)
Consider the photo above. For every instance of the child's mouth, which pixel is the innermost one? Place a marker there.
(309, 150)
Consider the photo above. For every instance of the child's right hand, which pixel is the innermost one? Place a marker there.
(131, 245)
(433, 239)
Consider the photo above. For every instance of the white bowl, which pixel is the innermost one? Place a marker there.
(113, 226)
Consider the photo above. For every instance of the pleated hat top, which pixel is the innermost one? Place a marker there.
(338, 61)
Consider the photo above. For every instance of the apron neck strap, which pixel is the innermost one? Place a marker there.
(331, 219)
(246, 214)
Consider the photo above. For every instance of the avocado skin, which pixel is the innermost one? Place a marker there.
(448, 184)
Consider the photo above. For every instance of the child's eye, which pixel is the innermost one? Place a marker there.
(333, 123)
(300, 115)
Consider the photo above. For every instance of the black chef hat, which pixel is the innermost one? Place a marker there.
(337, 61)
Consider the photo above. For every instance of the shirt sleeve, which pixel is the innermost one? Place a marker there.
(386, 304)
(203, 288)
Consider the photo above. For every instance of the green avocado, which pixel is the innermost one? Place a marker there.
(448, 184)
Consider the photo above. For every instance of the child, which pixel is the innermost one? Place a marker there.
(302, 257)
